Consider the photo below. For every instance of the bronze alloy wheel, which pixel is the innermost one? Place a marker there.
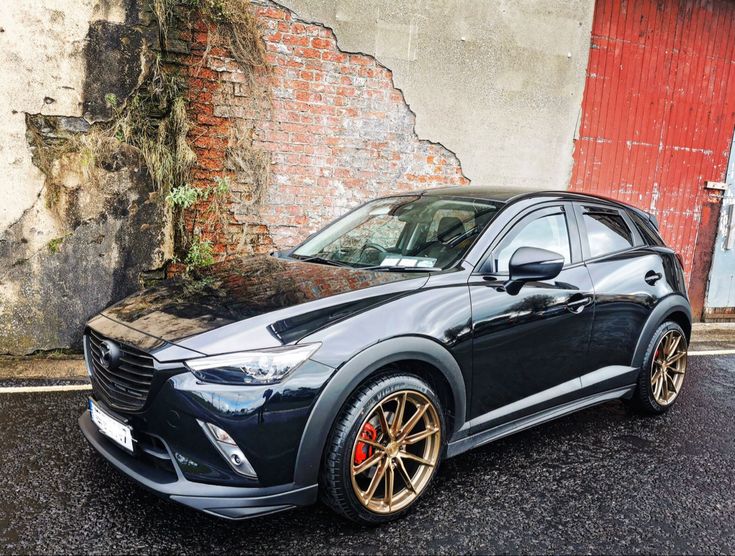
(396, 451)
(669, 366)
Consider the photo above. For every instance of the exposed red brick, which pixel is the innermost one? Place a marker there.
(322, 43)
(337, 133)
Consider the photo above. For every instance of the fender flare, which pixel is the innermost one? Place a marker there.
(346, 379)
(665, 307)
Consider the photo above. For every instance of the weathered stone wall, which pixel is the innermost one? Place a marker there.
(42, 65)
(354, 100)
(78, 225)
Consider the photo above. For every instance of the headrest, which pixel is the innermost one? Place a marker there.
(449, 226)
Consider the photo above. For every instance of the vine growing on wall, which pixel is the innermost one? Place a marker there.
(233, 23)
(154, 119)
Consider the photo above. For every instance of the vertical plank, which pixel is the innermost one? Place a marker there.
(658, 110)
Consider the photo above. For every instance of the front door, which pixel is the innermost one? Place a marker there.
(529, 349)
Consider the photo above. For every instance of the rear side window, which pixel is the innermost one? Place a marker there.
(607, 231)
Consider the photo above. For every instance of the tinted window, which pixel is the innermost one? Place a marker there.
(607, 231)
(545, 232)
(406, 231)
(646, 229)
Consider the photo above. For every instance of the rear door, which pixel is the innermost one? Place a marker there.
(627, 276)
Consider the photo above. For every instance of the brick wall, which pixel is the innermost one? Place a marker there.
(328, 129)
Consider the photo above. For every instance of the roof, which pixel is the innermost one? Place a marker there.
(506, 194)
(489, 193)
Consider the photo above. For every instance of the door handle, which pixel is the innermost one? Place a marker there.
(652, 277)
(578, 302)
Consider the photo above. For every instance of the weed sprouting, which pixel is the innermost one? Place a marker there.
(200, 253)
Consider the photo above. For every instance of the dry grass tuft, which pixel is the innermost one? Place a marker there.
(155, 121)
(235, 21)
(52, 148)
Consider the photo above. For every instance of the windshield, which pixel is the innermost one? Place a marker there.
(407, 232)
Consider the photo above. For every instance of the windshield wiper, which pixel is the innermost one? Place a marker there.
(387, 268)
(398, 268)
(321, 260)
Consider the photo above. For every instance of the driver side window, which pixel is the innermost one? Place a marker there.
(547, 231)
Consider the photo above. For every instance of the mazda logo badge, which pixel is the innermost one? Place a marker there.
(109, 354)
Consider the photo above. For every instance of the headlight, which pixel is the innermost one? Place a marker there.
(263, 366)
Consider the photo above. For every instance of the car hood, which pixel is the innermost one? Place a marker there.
(255, 302)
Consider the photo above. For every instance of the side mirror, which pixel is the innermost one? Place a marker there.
(529, 264)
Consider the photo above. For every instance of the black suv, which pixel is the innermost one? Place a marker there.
(412, 329)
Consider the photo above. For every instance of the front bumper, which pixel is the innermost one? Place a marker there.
(223, 501)
(176, 458)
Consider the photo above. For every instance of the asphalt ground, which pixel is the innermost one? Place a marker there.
(604, 480)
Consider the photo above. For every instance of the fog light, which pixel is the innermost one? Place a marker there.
(220, 435)
(229, 450)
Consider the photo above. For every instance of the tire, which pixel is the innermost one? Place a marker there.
(648, 397)
(361, 417)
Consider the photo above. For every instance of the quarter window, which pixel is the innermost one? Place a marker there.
(548, 232)
(607, 232)
(644, 227)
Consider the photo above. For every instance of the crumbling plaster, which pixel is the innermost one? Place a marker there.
(41, 53)
(498, 82)
(84, 232)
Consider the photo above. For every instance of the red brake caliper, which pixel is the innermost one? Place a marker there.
(364, 451)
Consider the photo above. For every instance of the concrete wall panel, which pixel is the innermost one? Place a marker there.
(78, 235)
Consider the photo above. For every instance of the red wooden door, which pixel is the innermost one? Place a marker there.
(658, 112)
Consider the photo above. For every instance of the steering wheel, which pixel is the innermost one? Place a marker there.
(371, 245)
(374, 259)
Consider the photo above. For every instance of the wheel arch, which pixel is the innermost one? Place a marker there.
(675, 308)
(424, 357)
(683, 320)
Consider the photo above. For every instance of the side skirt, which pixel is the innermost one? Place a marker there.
(464, 444)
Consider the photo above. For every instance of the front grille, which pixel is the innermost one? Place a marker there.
(125, 387)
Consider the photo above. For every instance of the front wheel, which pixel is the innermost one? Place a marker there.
(384, 449)
(664, 368)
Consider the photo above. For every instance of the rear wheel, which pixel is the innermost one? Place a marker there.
(664, 368)
(384, 449)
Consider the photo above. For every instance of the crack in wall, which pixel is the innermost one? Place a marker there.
(386, 68)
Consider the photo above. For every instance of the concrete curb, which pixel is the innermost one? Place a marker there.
(46, 368)
(710, 336)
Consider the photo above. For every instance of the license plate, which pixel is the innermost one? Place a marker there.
(111, 427)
